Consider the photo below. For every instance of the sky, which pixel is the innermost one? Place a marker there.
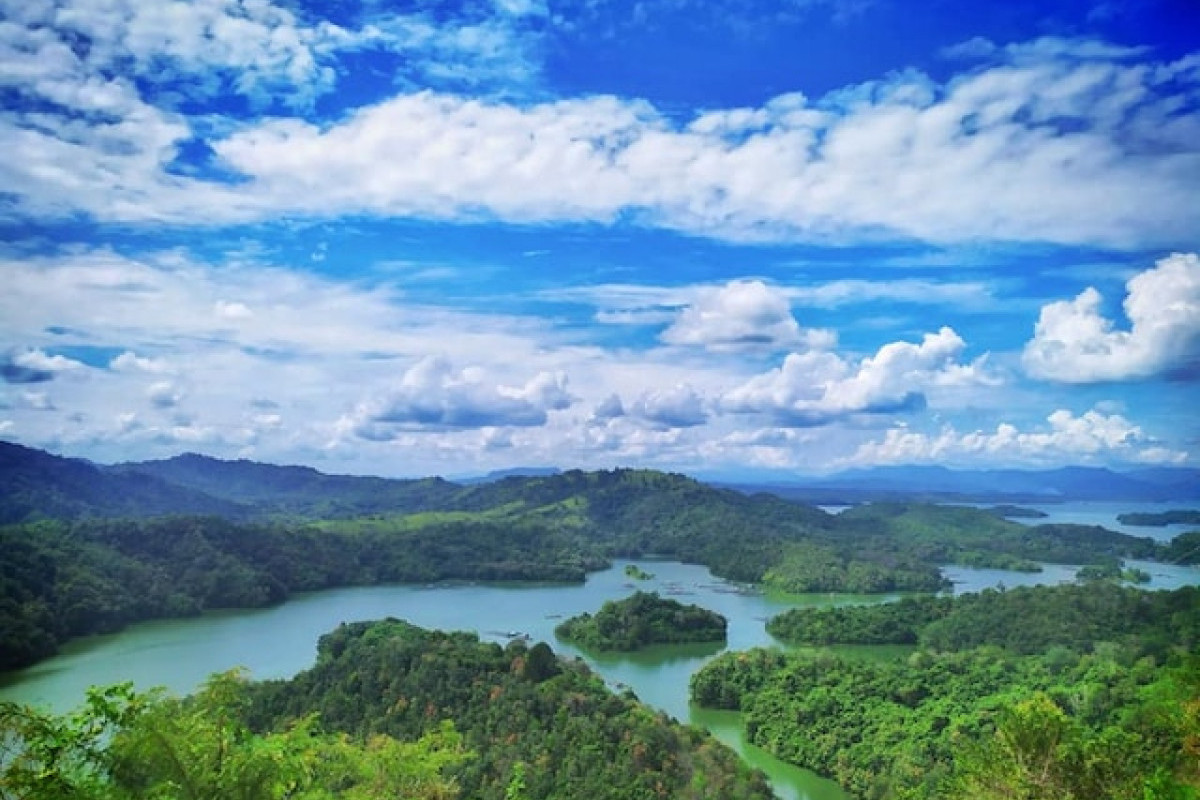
(732, 238)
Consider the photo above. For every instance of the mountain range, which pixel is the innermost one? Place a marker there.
(37, 483)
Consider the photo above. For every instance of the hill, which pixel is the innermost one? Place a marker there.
(36, 484)
(291, 490)
(514, 706)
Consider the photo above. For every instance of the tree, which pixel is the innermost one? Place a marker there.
(123, 745)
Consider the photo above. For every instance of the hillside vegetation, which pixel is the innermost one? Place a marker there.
(1074, 693)
(390, 710)
(520, 709)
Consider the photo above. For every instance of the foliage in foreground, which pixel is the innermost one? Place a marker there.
(390, 711)
(641, 620)
(124, 746)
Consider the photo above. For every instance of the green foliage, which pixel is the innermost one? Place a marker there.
(810, 567)
(538, 733)
(1023, 620)
(1183, 549)
(637, 573)
(641, 620)
(975, 724)
(122, 745)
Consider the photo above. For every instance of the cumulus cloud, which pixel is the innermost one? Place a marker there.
(1067, 439)
(165, 394)
(816, 388)
(677, 407)
(742, 315)
(434, 396)
(1073, 342)
(32, 365)
(129, 361)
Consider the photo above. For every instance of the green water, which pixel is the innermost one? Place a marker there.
(278, 642)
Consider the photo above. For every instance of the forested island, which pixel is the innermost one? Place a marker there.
(389, 710)
(1160, 519)
(641, 620)
(637, 573)
(1008, 511)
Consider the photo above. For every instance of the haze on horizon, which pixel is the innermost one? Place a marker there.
(731, 237)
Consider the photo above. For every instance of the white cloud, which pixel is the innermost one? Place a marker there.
(253, 47)
(165, 394)
(818, 387)
(836, 294)
(433, 396)
(676, 407)
(973, 158)
(1074, 343)
(129, 361)
(1092, 436)
(32, 365)
(232, 310)
(742, 315)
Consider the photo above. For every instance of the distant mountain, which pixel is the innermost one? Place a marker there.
(302, 491)
(34, 483)
(514, 472)
(1009, 485)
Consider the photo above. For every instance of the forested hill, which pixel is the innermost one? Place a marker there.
(35, 484)
(521, 711)
(292, 490)
(389, 710)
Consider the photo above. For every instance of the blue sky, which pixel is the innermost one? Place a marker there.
(732, 237)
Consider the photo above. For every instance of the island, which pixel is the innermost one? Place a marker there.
(641, 620)
(637, 573)
(1160, 519)
(1006, 511)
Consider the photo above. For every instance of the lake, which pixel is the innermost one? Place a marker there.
(279, 642)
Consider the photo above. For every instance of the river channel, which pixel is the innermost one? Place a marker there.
(280, 641)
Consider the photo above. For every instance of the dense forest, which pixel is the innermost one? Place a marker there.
(90, 549)
(1021, 620)
(518, 708)
(1072, 692)
(641, 620)
(389, 710)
